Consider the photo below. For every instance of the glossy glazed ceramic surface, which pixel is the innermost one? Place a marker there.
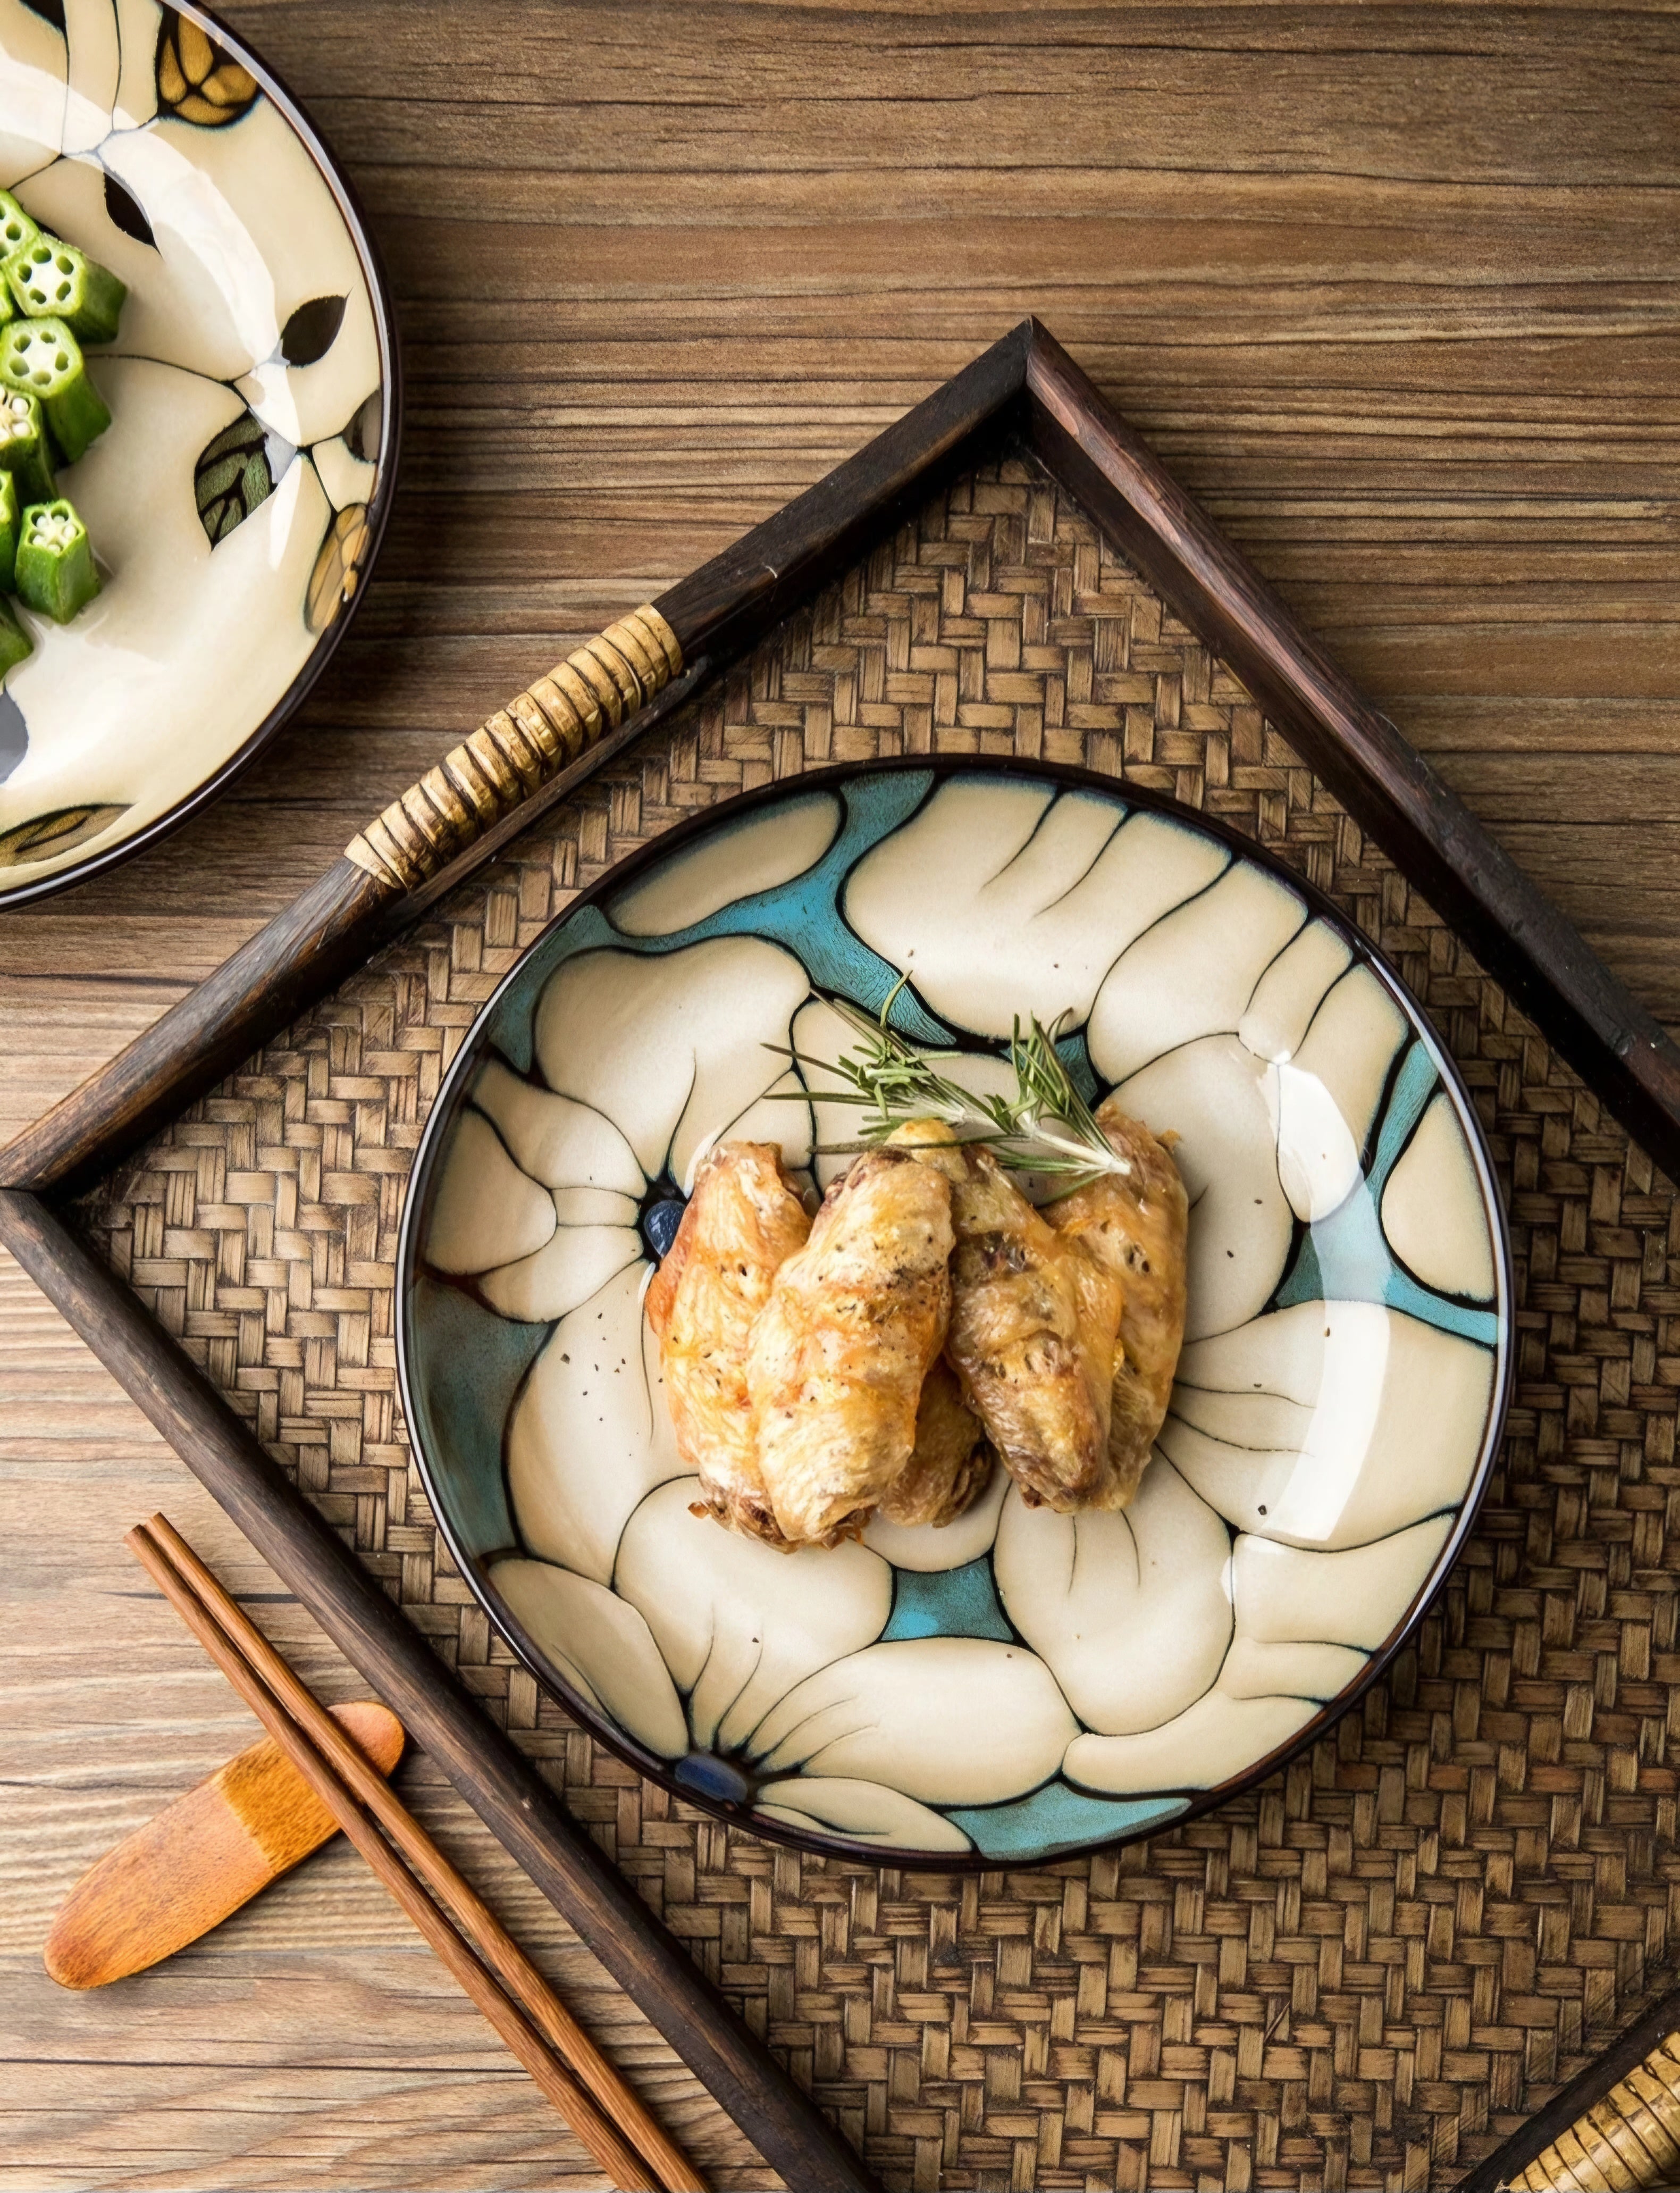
(237, 498)
(1018, 1683)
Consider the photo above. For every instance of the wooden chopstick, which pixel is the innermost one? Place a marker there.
(513, 1996)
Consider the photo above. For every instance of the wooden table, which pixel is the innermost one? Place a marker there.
(1392, 289)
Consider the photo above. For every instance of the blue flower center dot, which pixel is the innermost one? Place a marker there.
(662, 1209)
(709, 1776)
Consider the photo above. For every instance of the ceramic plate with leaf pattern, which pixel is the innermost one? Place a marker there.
(239, 496)
(1017, 1683)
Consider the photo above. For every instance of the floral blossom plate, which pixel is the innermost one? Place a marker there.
(239, 496)
(1017, 1684)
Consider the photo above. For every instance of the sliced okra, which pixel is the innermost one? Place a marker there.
(47, 276)
(11, 515)
(23, 447)
(43, 359)
(16, 228)
(16, 643)
(55, 572)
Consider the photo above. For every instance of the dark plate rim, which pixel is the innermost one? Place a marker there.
(451, 1095)
(379, 510)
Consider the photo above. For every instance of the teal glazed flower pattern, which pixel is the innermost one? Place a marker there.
(235, 499)
(1019, 1684)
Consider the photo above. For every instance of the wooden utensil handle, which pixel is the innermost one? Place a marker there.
(1629, 2138)
(516, 752)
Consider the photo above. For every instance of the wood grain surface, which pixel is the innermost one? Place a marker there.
(1392, 290)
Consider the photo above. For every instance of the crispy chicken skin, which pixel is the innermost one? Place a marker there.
(838, 1357)
(952, 1459)
(744, 1220)
(1032, 1327)
(1134, 1225)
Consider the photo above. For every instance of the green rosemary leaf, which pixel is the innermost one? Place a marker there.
(1046, 1128)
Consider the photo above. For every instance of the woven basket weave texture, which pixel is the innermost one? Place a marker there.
(1363, 1973)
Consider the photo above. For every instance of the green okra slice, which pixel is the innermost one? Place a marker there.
(47, 276)
(24, 452)
(9, 521)
(14, 642)
(43, 359)
(16, 228)
(55, 572)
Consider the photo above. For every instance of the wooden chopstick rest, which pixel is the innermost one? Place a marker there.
(203, 1857)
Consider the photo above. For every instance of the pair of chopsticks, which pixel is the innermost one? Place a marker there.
(471, 1940)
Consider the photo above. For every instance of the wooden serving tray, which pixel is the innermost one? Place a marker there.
(1369, 1973)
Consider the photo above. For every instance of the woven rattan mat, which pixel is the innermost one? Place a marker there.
(1357, 1976)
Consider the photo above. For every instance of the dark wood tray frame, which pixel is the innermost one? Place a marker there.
(1024, 391)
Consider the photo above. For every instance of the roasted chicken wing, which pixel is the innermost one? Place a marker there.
(1032, 1326)
(838, 1357)
(1134, 1225)
(952, 1458)
(744, 1220)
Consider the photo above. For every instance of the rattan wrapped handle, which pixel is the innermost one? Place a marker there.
(519, 749)
(1628, 2142)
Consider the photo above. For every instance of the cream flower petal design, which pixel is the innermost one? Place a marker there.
(820, 1036)
(1005, 900)
(781, 1115)
(761, 852)
(208, 303)
(1216, 1738)
(1432, 1210)
(1291, 991)
(595, 1206)
(575, 1261)
(863, 1811)
(1378, 1411)
(1131, 1612)
(1221, 1101)
(1194, 973)
(925, 1550)
(603, 1646)
(1329, 1094)
(740, 1624)
(283, 211)
(347, 478)
(91, 35)
(33, 65)
(675, 1042)
(558, 1141)
(487, 1212)
(951, 1721)
(137, 27)
(589, 1436)
(1285, 1593)
(1256, 1669)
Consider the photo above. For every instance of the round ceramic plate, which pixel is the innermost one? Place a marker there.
(1018, 1684)
(238, 495)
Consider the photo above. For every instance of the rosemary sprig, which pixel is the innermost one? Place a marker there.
(1047, 1127)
